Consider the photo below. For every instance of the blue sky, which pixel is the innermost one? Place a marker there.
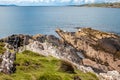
(52, 2)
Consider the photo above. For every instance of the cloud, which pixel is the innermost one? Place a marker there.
(36, 1)
(52, 2)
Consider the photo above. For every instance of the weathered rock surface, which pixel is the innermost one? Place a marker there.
(110, 75)
(15, 41)
(101, 49)
(47, 45)
(88, 49)
(7, 62)
(52, 46)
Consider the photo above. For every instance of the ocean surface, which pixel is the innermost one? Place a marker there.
(44, 20)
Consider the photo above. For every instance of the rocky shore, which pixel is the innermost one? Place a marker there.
(87, 49)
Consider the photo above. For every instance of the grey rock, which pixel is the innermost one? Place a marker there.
(110, 75)
(102, 48)
(7, 64)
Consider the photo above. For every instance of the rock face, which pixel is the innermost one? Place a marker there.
(52, 46)
(15, 41)
(7, 62)
(47, 45)
(101, 49)
(88, 49)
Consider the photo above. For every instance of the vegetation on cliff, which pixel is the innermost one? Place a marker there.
(32, 66)
(110, 5)
(2, 49)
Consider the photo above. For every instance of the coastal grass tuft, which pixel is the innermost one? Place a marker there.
(66, 66)
(32, 66)
(2, 49)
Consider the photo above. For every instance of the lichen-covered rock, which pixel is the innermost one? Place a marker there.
(62, 52)
(48, 49)
(103, 49)
(88, 49)
(16, 41)
(110, 75)
(7, 62)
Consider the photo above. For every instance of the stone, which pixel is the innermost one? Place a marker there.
(7, 65)
(102, 48)
(110, 75)
(16, 41)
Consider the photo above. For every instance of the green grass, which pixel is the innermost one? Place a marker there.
(31, 66)
(2, 49)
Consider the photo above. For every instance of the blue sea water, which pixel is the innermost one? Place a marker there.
(44, 20)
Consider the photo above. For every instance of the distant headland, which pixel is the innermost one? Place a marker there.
(109, 5)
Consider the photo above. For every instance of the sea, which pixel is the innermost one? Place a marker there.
(45, 20)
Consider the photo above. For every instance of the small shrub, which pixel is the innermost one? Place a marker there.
(66, 67)
(49, 77)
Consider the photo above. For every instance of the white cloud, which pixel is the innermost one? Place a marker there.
(89, 1)
(78, 1)
(52, 1)
(64, 0)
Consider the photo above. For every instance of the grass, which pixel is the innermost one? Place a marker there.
(31, 66)
(2, 49)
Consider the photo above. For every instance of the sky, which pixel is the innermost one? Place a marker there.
(51, 2)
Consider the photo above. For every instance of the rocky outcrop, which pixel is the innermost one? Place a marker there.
(48, 45)
(53, 47)
(101, 49)
(88, 49)
(16, 41)
(7, 65)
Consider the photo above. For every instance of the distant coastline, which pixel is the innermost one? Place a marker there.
(108, 5)
(7, 5)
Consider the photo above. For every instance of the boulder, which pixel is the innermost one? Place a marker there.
(110, 75)
(101, 48)
(7, 65)
(16, 41)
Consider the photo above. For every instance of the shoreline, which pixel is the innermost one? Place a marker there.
(87, 49)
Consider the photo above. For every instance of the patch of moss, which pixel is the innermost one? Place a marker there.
(66, 66)
(2, 49)
(31, 66)
(50, 77)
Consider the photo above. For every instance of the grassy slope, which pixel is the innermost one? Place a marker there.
(31, 66)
